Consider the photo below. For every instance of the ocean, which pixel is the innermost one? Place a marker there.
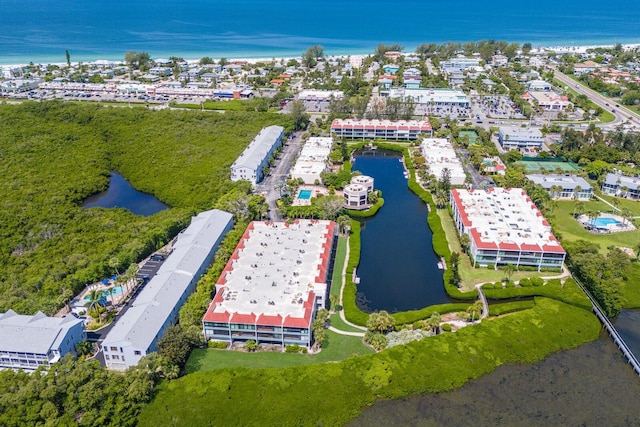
(42, 30)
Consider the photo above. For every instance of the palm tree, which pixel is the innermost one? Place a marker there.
(433, 322)
(578, 209)
(344, 224)
(592, 216)
(465, 241)
(475, 309)
(509, 269)
(95, 296)
(626, 215)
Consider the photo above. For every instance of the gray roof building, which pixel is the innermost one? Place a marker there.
(136, 333)
(28, 342)
(567, 184)
(250, 163)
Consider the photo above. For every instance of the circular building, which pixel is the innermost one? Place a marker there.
(364, 180)
(355, 196)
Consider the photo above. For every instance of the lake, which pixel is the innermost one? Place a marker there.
(398, 268)
(121, 194)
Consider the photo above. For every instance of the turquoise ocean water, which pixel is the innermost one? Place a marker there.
(41, 30)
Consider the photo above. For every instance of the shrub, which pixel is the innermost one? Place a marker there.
(510, 284)
(293, 348)
(446, 327)
(491, 266)
(376, 339)
(525, 282)
(217, 344)
(537, 281)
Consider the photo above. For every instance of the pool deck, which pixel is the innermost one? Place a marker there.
(620, 225)
(315, 191)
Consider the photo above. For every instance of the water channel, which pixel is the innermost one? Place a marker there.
(398, 269)
(121, 194)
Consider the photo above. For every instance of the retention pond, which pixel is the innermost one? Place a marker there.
(121, 194)
(398, 268)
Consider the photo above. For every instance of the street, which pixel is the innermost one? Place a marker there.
(278, 174)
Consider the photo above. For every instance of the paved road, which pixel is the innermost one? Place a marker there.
(622, 113)
(278, 175)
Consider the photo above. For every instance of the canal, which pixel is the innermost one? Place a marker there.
(398, 268)
(121, 194)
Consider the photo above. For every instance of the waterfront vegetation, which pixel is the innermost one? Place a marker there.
(334, 393)
(56, 154)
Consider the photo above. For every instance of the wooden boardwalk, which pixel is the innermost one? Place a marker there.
(611, 330)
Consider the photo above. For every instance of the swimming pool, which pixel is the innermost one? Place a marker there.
(117, 290)
(304, 194)
(604, 222)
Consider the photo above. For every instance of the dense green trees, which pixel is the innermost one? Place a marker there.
(56, 154)
(74, 393)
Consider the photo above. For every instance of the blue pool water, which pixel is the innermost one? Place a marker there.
(117, 290)
(603, 222)
(304, 194)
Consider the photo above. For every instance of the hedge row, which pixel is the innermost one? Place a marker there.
(351, 310)
(510, 307)
(367, 213)
(408, 317)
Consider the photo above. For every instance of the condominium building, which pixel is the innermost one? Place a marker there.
(437, 97)
(440, 155)
(136, 332)
(29, 342)
(505, 227)
(380, 129)
(620, 185)
(511, 137)
(249, 166)
(564, 186)
(312, 160)
(276, 279)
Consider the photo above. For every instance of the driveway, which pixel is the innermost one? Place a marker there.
(279, 173)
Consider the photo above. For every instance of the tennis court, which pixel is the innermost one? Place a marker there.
(550, 166)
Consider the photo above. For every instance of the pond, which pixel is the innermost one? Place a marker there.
(398, 268)
(121, 194)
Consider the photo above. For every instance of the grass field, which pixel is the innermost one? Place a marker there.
(572, 230)
(336, 348)
(341, 253)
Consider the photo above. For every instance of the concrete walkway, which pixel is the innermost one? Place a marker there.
(485, 304)
(344, 277)
(341, 332)
(603, 200)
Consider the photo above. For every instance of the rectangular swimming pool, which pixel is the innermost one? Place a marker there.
(304, 194)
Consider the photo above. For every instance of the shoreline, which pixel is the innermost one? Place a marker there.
(252, 59)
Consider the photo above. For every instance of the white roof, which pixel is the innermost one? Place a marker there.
(426, 95)
(276, 267)
(258, 149)
(33, 334)
(320, 95)
(439, 154)
(313, 158)
(158, 299)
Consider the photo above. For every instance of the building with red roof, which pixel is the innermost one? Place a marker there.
(406, 130)
(505, 227)
(273, 284)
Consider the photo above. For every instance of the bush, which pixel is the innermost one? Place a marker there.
(525, 282)
(217, 344)
(376, 339)
(446, 327)
(491, 266)
(536, 281)
(294, 348)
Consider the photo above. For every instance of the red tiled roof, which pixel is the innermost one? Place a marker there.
(267, 320)
(480, 244)
(508, 246)
(530, 247)
(210, 316)
(244, 318)
(553, 248)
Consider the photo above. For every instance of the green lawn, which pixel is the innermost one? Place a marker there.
(632, 205)
(471, 276)
(336, 348)
(570, 229)
(338, 323)
(341, 253)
